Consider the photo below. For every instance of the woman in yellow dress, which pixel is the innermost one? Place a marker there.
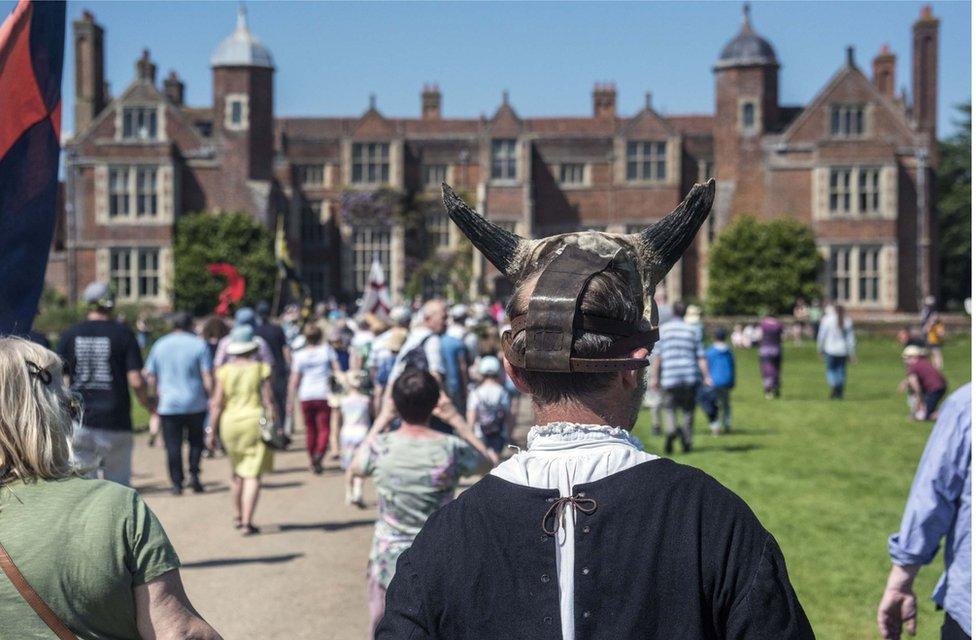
(242, 398)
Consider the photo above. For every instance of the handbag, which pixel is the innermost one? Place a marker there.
(32, 598)
(272, 436)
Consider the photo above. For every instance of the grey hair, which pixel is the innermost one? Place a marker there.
(35, 419)
(608, 294)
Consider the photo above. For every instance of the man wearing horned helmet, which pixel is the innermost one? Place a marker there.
(584, 535)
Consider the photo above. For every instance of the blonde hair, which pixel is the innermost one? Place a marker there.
(35, 419)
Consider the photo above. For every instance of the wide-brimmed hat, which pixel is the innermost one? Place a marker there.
(914, 351)
(241, 340)
(489, 366)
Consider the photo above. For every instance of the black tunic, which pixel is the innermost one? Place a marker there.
(668, 554)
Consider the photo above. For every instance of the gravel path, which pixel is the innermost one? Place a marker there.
(303, 577)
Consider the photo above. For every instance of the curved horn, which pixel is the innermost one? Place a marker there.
(667, 239)
(501, 247)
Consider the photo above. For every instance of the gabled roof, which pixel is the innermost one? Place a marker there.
(142, 90)
(648, 119)
(849, 71)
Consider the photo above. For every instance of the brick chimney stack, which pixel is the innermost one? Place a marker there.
(90, 85)
(605, 100)
(883, 72)
(430, 102)
(173, 88)
(146, 68)
(925, 48)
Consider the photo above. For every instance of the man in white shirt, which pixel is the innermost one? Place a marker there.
(422, 350)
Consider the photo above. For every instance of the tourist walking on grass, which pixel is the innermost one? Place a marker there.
(243, 398)
(103, 363)
(313, 369)
(416, 470)
(939, 506)
(721, 368)
(679, 369)
(770, 354)
(91, 551)
(835, 342)
(180, 368)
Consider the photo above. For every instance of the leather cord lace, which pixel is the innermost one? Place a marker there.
(558, 508)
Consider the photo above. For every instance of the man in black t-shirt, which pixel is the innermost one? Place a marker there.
(274, 335)
(102, 361)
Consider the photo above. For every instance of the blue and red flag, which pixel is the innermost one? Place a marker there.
(31, 59)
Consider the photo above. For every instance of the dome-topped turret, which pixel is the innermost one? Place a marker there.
(747, 48)
(241, 48)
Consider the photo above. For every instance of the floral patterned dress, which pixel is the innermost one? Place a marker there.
(414, 477)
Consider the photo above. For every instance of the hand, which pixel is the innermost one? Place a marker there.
(211, 441)
(708, 381)
(897, 608)
(656, 384)
(493, 457)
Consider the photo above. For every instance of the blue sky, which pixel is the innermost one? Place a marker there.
(331, 56)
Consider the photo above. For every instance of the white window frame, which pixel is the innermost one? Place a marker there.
(869, 191)
(578, 171)
(311, 175)
(243, 100)
(372, 161)
(504, 160)
(141, 198)
(857, 274)
(840, 191)
(143, 123)
(432, 175)
(365, 243)
(136, 273)
(863, 190)
(438, 227)
(649, 160)
(753, 127)
(850, 118)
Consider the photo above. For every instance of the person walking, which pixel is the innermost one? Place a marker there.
(244, 316)
(242, 399)
(180, 368)
(416, 470)
(721, 368)
(836, 342)
(89, 552)
(490, 406)
(770, 354)
(678, 370)
(422, 351)
(274, 336)
(939, 506)
(313, 369)
(354, 420)
(583, 534)
(103, 364)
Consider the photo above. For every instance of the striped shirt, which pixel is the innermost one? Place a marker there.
(679, 347)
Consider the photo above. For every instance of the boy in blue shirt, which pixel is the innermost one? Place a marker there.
(721, 368)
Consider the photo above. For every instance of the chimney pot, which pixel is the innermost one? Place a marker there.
(430, 102)
(604, 100)
(145, 69)
(850, 56)
(173, 88)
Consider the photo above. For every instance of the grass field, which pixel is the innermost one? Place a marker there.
(828, 479)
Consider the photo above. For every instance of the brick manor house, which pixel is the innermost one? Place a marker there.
(855, 164)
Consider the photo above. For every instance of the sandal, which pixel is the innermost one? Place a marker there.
(250, 530)
(237, 523)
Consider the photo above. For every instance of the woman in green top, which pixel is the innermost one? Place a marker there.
(91, 549)
(416, 470)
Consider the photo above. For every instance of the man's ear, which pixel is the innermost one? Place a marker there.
(513, 374)
(630, 376)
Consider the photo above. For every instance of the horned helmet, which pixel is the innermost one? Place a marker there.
(565, 264)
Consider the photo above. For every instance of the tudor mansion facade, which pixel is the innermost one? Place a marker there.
(855, 164)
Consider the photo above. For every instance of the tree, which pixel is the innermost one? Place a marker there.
(755, 266)
(234, 238)
(953, 210)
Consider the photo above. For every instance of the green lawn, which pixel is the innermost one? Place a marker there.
(828, 479)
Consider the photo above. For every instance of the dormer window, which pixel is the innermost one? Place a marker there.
(139, 123)
(847, 120)
(504, 160)
(371, 163)
(646, 161)
(236, 111)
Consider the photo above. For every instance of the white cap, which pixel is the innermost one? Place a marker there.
(489, 366)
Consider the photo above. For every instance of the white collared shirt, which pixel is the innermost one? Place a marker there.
(560, 455)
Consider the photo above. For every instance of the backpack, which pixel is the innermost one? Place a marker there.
(416, 358)
(490, 417)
